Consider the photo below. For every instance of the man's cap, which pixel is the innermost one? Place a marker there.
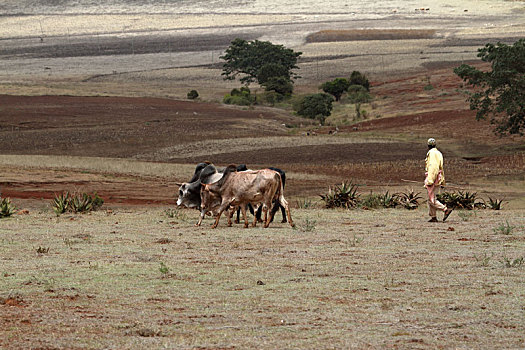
(431, 142)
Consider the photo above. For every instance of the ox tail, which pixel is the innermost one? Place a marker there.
(281, 200)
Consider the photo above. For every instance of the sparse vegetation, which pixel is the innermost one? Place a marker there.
(76, 203)
(357, 94)
(494, 204)
(510, 263)
(342, 196)
(504, 228)
(6, 208)
(164, 270)
(304, 203)
(193, 94)
(358, 78)
(240, 97)
(409, 199)
(459, 199)
(315, 106)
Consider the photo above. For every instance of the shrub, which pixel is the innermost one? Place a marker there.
(193, 94)
(358, 94)
(61, 203)
(385, 200)
(236, 100)
(79, 203)
(408, 199)
(370, 201)
(315, 106)
(6, 208)
(495, 204)
(357, 78)
(342, 196)
(458, 199)
(240, 97)
(272, 97)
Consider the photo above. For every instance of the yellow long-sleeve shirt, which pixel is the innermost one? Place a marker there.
(433, 167)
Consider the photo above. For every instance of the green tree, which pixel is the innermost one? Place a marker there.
(281, 85)
(315, 106)
(272, 70)
(500, 92)
(253, 58)
(336, 87)
(358, 94)
(357, 78)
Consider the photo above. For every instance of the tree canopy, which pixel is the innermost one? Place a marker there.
(336, 87)
(315, 106)
(257, 61)
(358, 78)
(500, 92)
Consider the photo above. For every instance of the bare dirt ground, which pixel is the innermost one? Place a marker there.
(374, 153)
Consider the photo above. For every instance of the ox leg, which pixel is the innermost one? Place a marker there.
(201, 216)
(222, 208)
(254, 223)
(259, 214)
(283, 212)
(245, 216)
(237, 219)
(284, 203)
(231, 212)
(267, 218)
(216, 223)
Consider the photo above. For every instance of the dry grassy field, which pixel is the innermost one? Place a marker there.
(146, 278)
(96, 102)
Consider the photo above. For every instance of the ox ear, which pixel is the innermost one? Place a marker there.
(178, 184)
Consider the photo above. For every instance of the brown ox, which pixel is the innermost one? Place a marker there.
(242, 188)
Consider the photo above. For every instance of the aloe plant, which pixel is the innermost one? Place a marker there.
(6, 208)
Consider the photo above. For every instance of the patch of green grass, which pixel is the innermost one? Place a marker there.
(504, 228)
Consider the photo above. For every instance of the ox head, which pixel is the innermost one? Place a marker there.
(190, 194)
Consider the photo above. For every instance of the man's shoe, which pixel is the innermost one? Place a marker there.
(447, 213)
(434, 219)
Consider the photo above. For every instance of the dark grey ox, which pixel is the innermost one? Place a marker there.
(190, 192)
(238, 189)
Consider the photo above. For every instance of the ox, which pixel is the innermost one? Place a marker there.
(276, 204)
(190, 192)
(234, 188)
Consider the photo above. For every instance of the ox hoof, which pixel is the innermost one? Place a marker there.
(284, 221)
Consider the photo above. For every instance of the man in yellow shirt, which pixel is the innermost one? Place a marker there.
(435, 177)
